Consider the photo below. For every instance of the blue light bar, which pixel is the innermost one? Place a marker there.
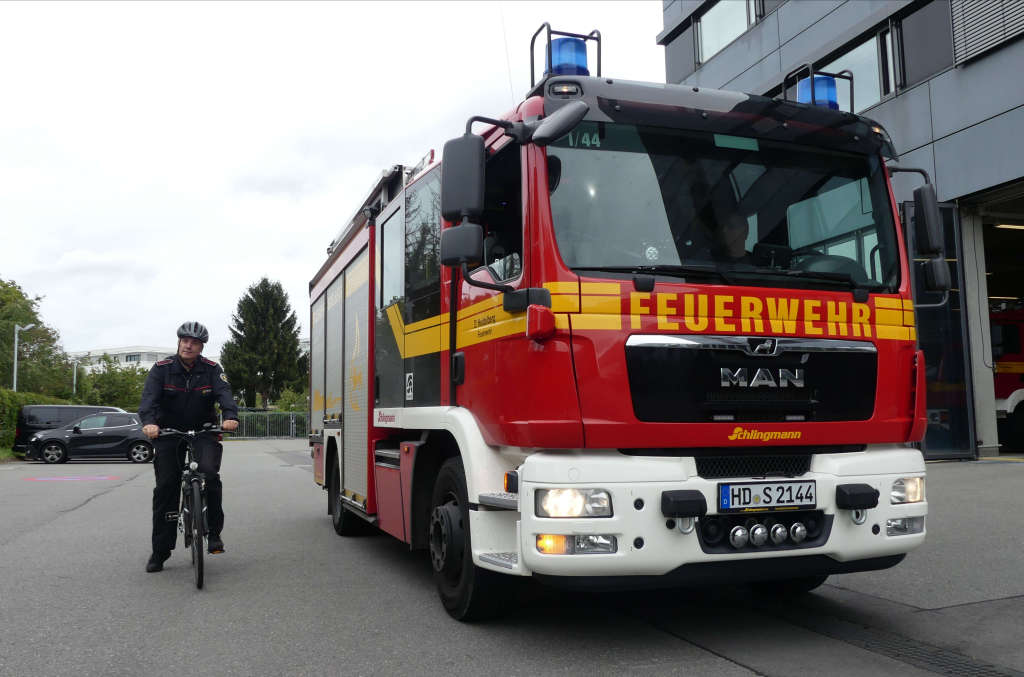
(569, 57)
(824, 91)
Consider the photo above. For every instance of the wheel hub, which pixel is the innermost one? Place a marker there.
(446, 539)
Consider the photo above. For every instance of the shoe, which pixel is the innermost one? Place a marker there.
(156, 562)
(214, 545)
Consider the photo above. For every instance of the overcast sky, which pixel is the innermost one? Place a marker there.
(157, 159)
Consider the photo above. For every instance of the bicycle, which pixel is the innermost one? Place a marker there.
(192, 521)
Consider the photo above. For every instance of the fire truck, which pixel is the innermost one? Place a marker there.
(630, 334)
(1009, 376)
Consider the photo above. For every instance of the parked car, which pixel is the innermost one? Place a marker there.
(34, 418)
(99, 435)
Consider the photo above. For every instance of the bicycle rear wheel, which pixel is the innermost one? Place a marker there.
(196, 508)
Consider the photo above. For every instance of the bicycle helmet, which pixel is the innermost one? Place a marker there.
(194, 330)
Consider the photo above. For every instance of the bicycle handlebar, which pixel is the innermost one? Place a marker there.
(189, 433)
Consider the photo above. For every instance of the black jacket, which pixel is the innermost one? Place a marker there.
(176, 397)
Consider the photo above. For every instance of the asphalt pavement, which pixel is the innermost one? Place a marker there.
(289, 597)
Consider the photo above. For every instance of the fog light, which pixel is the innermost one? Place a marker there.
(595, 543)
(573, 503)
(738, 537)
(589, 544)
(779, 533)
(758, 535)
(904, 526)
(907, 490)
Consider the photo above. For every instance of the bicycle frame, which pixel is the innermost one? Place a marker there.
(192, 518)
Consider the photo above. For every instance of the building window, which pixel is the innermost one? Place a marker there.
(926, 40)
(873, 68)
(725, 21)
(132, 357)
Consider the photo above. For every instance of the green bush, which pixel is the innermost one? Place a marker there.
(10, 403)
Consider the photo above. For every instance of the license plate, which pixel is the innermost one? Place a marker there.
(739, 496)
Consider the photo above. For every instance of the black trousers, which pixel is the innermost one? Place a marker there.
(168, 465)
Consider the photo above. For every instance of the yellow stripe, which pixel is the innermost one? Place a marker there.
(885, 331)
(908, 318)
(1010, 367)
(488, 326)
(425, 342)
(913, 334)
(892, 317)
(908, 304)
(562, 287)
(423, 324)
(565, 303)
(562, 322)
(607, 305)
(605, 288)
(885, 302)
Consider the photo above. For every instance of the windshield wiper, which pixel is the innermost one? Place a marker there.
(680, 271)
(860, 289)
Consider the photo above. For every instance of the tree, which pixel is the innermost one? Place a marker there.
(42, 365)
(113, 385)
(262, 356)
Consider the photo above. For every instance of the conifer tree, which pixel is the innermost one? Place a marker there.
(262, 356)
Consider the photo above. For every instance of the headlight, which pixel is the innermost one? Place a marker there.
(573, 503)
(907, 490)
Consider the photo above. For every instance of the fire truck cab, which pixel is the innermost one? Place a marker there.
(628, 334)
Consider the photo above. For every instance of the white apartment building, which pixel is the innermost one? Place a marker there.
(129, 356)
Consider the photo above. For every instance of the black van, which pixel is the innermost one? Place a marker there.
(33, 418)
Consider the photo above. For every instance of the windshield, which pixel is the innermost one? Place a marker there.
(633, 197)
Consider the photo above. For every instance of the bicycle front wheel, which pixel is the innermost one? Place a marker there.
(196, 508)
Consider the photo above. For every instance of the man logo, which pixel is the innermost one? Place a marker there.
(771, 378)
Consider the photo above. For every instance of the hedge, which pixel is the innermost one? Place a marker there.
(10, 403)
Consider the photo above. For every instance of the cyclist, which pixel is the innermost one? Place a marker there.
(180, 392)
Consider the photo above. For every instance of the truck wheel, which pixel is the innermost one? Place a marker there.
(468, 592)
(1016, 429)
(345, 522)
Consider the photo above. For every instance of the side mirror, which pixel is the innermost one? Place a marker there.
(559, 123)
(463, 244)
(928, 221)
(462, 178)
(76, 430)
(936, 275)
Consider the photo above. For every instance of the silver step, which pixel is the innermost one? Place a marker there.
(507, 560)
(500, 499)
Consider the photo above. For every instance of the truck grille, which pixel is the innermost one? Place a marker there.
(789, 465)
(676, 378)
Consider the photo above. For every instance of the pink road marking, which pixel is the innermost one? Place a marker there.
(72, 478)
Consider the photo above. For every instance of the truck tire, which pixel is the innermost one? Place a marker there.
(468, 592)
(1015, 427)
(345, 522)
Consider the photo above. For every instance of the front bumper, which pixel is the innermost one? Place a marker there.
(648, 547)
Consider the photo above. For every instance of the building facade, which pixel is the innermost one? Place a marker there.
(946, 79)
(143, 357)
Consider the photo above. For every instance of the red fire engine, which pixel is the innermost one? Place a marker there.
(629, 334)
(1009, 376)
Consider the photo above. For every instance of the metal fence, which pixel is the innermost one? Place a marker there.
(263, 424)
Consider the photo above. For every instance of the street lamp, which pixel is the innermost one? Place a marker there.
(74, 375)
(18, 328)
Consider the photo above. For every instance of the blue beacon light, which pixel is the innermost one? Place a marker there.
(824, 91)
(569, 57)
